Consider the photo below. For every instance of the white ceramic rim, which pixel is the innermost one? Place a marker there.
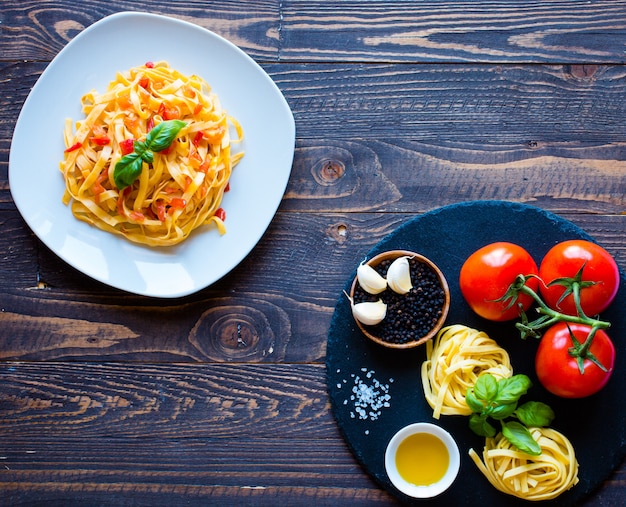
(431, 490)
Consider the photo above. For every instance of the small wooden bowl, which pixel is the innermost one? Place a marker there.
(392, 255)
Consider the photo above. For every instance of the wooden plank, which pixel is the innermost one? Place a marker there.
(40, 30)
(519, 105)
(411, 31)
(208, 433)
(453, 32)
(171, 402)
(392, 175)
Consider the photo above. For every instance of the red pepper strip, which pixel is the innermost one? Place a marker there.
(137, 216)
(97, 186)
(204, 167)
(160, 206)
(127, 146)
(168, 113)
(100, 140)
(74, 147)
(220, 213)
(197, 138)
(144, 81)
(177, 202)
(150, 65)
(227, 187)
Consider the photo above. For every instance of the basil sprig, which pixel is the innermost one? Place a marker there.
(128, 168)
(498, 400)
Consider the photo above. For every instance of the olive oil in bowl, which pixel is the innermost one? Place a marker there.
(422, 460)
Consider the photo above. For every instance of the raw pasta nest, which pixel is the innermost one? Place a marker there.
(454, 360)
(519, 474)
(182, 188)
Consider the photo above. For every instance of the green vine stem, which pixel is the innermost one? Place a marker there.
(548, 316)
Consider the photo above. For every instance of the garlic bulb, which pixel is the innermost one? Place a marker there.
(370, 280)
(399, 275)
(369, 313)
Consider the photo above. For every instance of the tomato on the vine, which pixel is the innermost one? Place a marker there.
(558, 369)
(565, 260)
(487, 274)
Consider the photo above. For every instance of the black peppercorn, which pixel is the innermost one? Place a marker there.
(409, 316)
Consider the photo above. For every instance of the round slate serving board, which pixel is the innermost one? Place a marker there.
(375, 391)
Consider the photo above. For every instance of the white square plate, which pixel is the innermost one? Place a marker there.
(90, 61)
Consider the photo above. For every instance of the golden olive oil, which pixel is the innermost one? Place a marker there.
(422, 459)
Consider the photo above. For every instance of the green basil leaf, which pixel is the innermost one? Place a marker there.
(140, 147)
(473, 403)
(511, 389)
(521, 438)
(503, 411)
(480, 425)
(127, 170)
(535, 413)
(147, 156)
(486, 387)
(162, 136)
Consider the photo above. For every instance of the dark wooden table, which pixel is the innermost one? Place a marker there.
(107, 398)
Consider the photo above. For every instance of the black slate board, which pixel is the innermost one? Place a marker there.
(596, 426)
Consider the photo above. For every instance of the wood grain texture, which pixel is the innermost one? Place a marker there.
(219, 398)
(411, 31)
(442, 31)
(39, 30)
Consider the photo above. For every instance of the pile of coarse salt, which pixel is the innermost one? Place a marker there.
(368, 396)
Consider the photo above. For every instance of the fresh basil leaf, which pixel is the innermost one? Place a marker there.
(127, 170)
(502, 411)
(511, 389)
(474, 404)
(486, 387)
(162, 135)
(140, 147)
(535, 413)
(521, 438)
(480, 425)
(147, 156)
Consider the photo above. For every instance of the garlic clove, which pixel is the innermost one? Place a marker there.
(399, 275)
(370, 280)
(369, 313)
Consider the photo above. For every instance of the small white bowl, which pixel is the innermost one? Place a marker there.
(431, 490)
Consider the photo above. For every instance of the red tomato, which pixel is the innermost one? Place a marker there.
(220, 213)
(565, 260)
(127, 146)
(558, 371)
(487, 274)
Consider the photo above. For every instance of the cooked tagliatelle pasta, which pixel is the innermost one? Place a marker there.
(516, 473)
(177, 188)
(454, 360)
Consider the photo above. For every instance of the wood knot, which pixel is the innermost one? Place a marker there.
(583, 72)
(338, 232)
(328, 172)
(240, 333)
